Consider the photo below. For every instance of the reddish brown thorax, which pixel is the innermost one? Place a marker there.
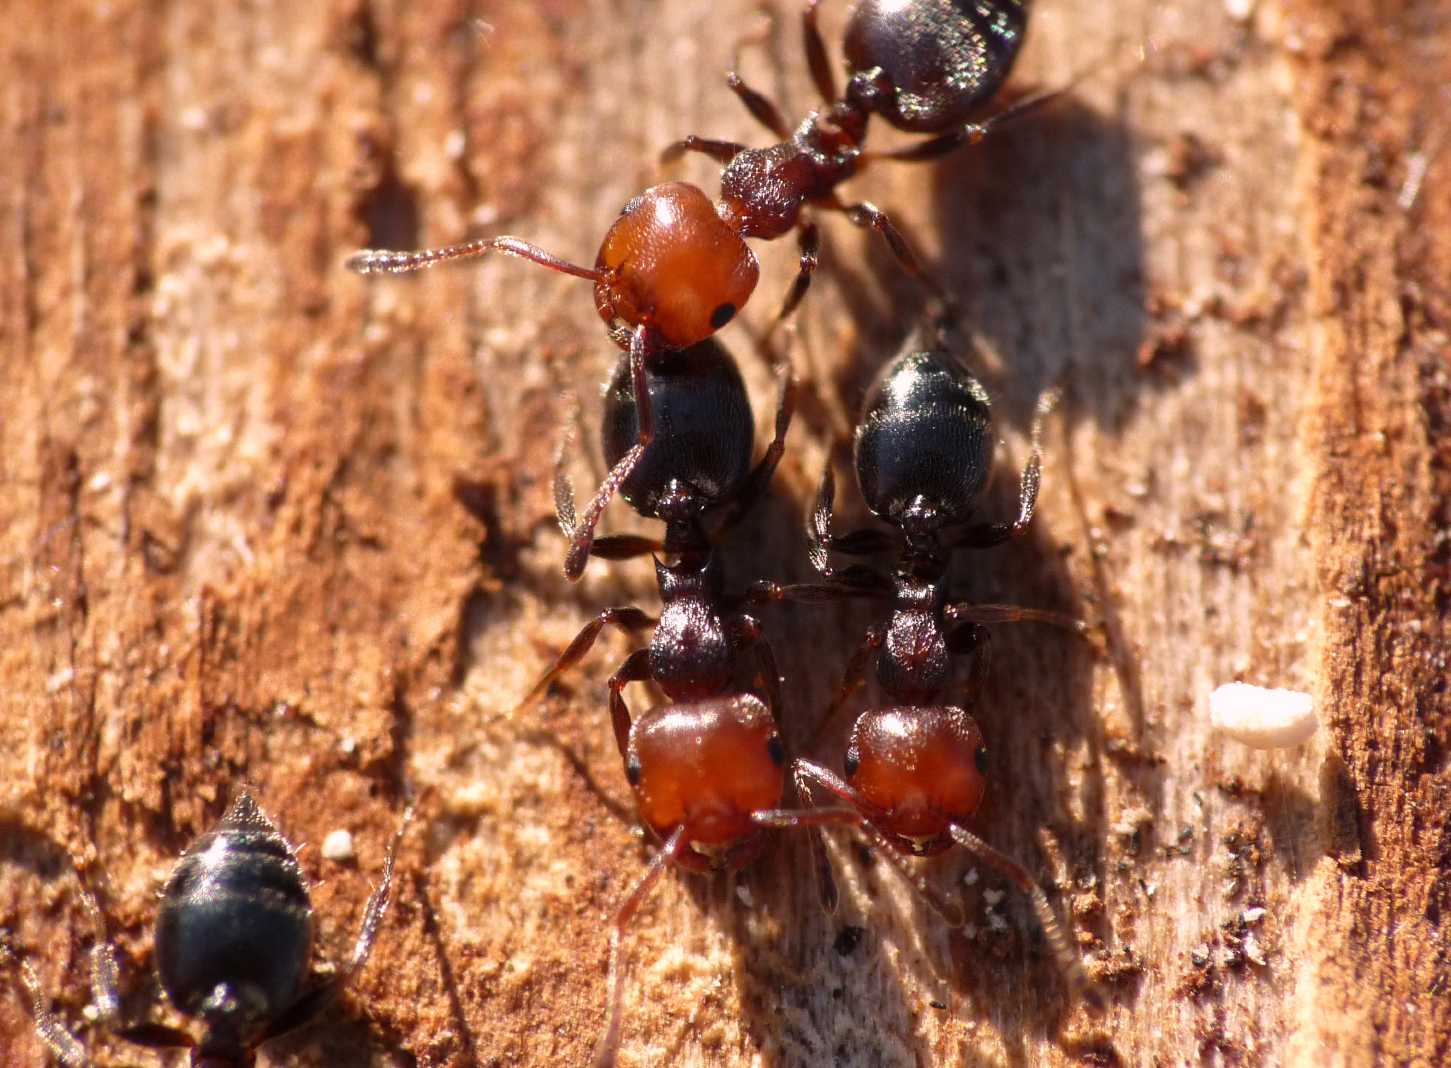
(673, 264)
(920, 766)
(708, 765)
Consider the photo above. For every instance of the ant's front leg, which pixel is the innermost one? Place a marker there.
(636, 668)
(985, 535)
(853, 677)
(745, 632)
(868, 216)
(754, 484)
(628, 619)
(644, 344)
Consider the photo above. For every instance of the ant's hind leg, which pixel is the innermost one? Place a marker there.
(643, 345)
(868, 216)
(316, 1000)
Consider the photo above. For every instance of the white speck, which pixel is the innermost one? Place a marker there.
(91, 1013)
(338, 846)
(347, 746)
(195, 119)
(454, 145)
(100, 481)
(996, 922)
(1253, 950)
(1262, 718)
(743, 892)
(1239, 10)
(60, 680)
(994, 898)
(1252, 916)
(1150, 889)
(1339, 602)
(971, 878)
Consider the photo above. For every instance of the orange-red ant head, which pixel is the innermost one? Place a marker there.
(708, 765)
(671, 262)
(921, 768)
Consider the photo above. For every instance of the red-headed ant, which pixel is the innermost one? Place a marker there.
(916, 769)
(233, 943)
(674, 267)
(703, 763)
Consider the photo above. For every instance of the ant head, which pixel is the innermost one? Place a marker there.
(940, 59)
(672, 263)
(704, 431)
(234, 932)
(924, 444)
(707, 765)
(921, 768)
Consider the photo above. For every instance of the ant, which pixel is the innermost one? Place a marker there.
(674, 267)
(916, 768)
(703, 763)
(233, 942)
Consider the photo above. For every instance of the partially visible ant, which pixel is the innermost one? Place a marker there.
(916, 768)
(233, 943)
(703, 763)
(674, 267)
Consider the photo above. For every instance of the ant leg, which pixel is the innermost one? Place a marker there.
(609, 1043)
(754, 484)
(965, 612)
(314, 1001)
(393, 261)
(852, 678)
(636, 668)
(1063, 953)
(971, 639)
(63, 1045)
(867, 214)
(642, 345)
(628, 619)
(984, 535)
(613, 547)
(821, 542)
(760, 106)
(950, 912)
(720, 151)
(816, 54)
(746, 631)
(809, 235)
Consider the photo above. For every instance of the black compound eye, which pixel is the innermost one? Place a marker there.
(980, 759)
(853, 761)
(632, 770)
(777, 750)
(723, 314)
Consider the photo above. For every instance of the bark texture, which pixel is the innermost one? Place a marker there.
(270, 523)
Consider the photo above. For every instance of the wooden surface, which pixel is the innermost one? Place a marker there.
(236, 546)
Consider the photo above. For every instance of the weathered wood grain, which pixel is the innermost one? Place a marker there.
(236, 544)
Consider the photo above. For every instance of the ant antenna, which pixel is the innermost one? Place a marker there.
(394, 261)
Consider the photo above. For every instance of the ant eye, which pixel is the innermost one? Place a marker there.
(777, 750)
(853, 761)
(980, 758)
(632, 770)
(723, 314)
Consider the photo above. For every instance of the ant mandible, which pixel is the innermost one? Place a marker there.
(702, 763)
(916, 769)
(233, 946)
(674, 267)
